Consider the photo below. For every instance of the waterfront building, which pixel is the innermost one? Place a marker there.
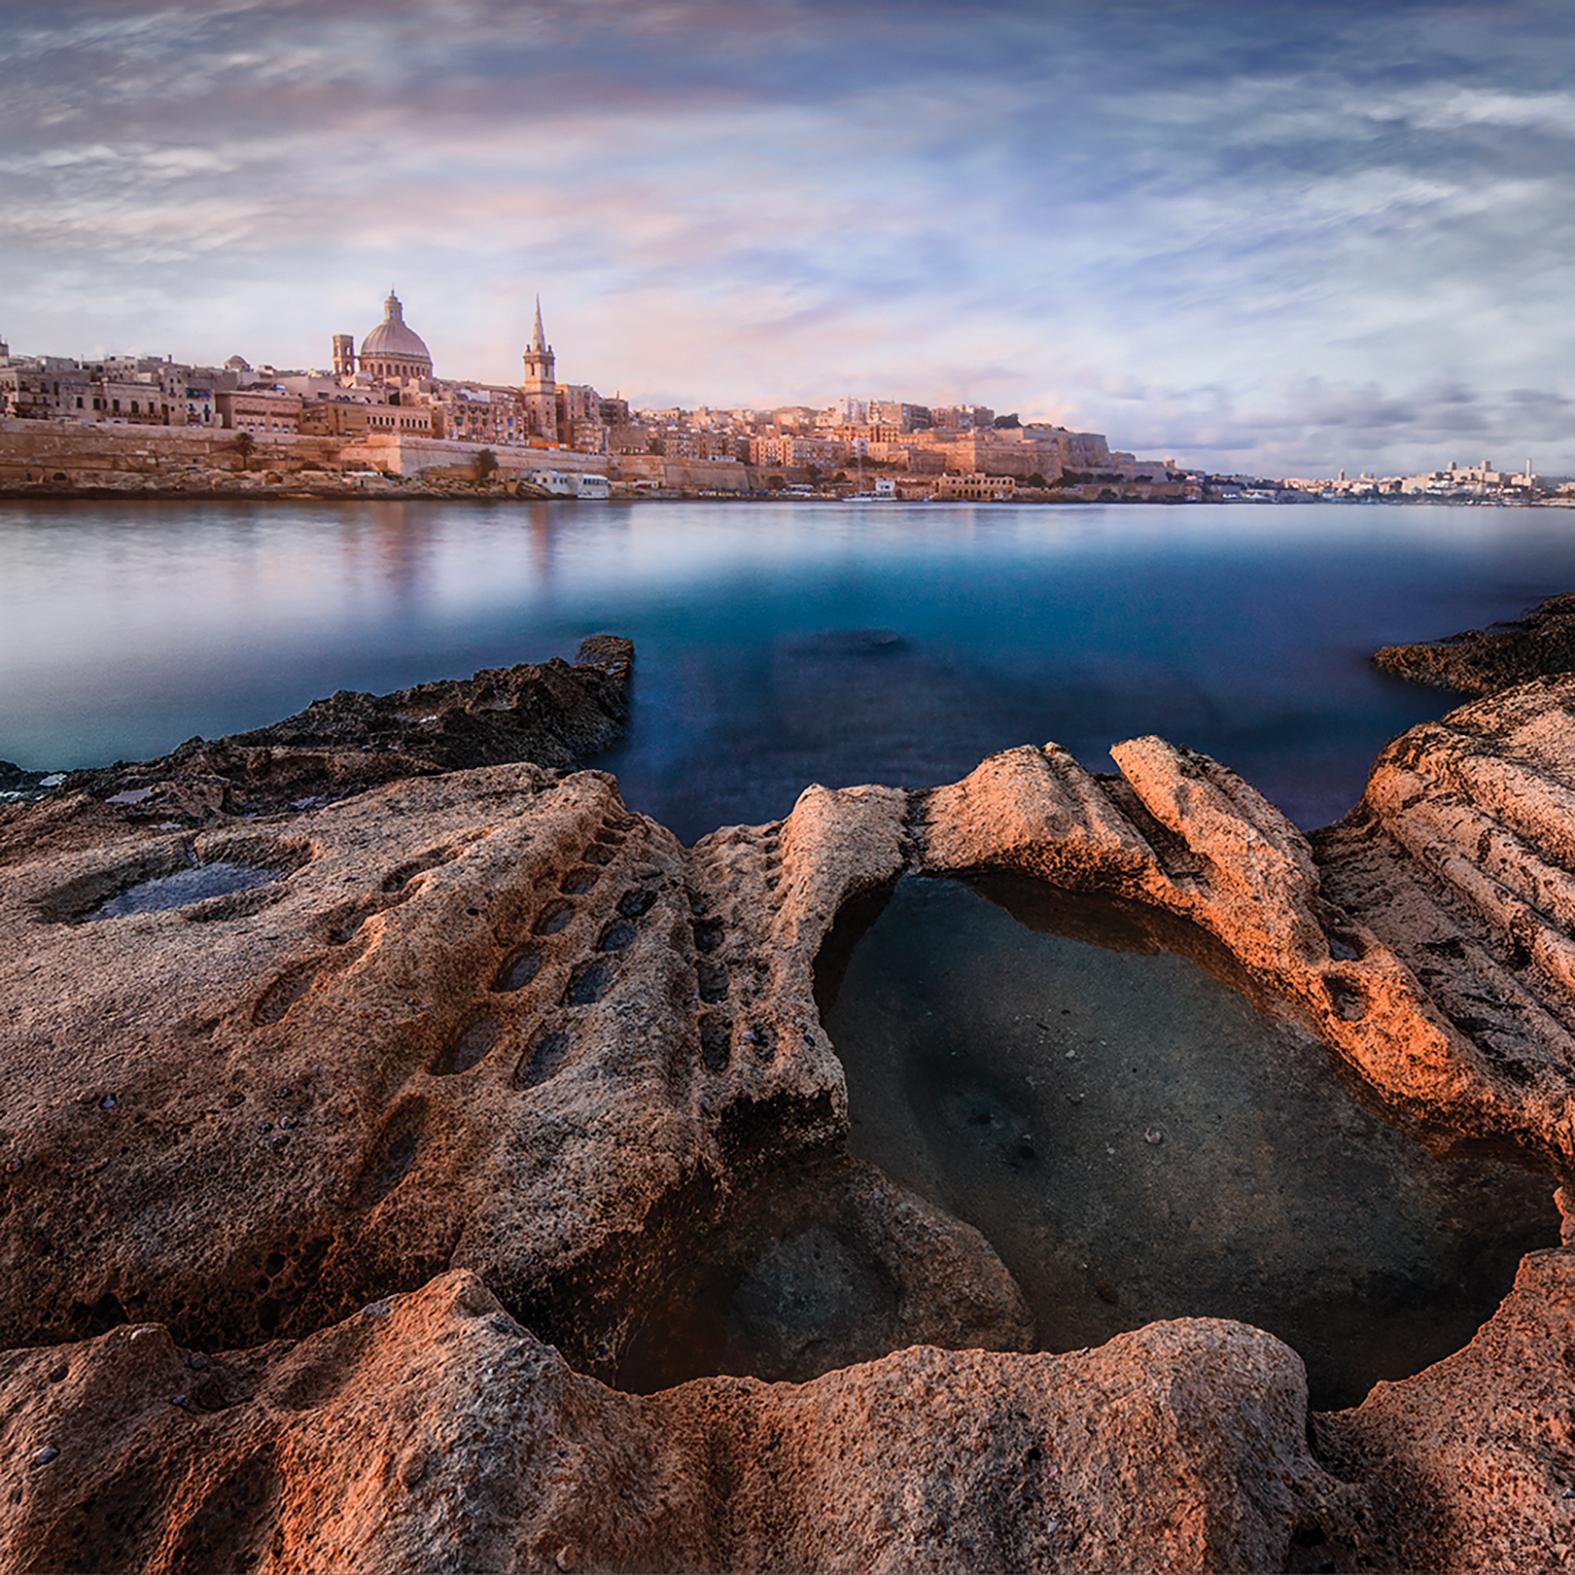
(579, 418)
(975, 488)
(336, 417)
(788, 449)
(483, 413)
(388, 387)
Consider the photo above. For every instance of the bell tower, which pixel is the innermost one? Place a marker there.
(344, 356)
(540, 387)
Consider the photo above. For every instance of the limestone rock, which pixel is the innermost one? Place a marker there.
(1457, 858)
(487, 1019)
(489, 1025)
(431, 1431)
(1471, 1464)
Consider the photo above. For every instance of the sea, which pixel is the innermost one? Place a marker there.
(777, 643)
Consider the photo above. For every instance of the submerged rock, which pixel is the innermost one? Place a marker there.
(1481, 661)
(488, 1025)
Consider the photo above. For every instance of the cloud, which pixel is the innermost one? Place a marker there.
(1224, 228)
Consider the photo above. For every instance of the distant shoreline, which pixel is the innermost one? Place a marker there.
(422, 492)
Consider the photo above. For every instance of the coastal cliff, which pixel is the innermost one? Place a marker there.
(356, 1196)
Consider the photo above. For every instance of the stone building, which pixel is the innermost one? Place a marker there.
(975, 488)
(540, 386)
(484, 413)
(258, 410)
(341, 418)
(786, 449)
(47, 388)
(393, 351)
(394, 369)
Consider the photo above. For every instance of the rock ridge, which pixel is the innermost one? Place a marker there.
(491, 1053)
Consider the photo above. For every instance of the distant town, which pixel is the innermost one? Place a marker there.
(381, 410)
(378, 417)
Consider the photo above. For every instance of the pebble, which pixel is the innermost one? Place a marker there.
(181, 1400)
(108, 1102)
(1153, 1137)
(197, 1361)
(42, 1457)
(566, 1557)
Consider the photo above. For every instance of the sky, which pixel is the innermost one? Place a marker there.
(1262, 237)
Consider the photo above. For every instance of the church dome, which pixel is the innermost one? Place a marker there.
(394, 337)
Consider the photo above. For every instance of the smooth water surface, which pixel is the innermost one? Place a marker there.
(778, 644)
(1138, 1141)
(197, 883)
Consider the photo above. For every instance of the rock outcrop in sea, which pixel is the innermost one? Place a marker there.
(555, 713)
(1480, 661)
(362, 1164)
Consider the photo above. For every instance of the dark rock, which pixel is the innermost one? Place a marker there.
(1483, 661)
(553, 714)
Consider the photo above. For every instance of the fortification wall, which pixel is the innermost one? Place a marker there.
(33, 451)
(405, 454)
(724, 475)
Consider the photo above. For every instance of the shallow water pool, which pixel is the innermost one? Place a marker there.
(1138, 1141)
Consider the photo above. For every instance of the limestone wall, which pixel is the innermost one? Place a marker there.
(410, 454)
(725, 475)
(82, 452)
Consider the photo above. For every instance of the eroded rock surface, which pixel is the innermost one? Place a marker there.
(1481, 661)
(489, 1019)
(488, 1028)
(432, 1431)
(1458, 862)
(1469, 1465)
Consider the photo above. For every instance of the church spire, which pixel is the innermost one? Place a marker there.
(538, 337)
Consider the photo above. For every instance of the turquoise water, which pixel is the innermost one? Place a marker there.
(778, 644)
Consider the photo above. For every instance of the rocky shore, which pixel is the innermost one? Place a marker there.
(384, 1095)
(554, 713)
(1480, 661)
(198, 486)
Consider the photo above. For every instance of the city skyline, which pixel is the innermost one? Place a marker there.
(1266, 244)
